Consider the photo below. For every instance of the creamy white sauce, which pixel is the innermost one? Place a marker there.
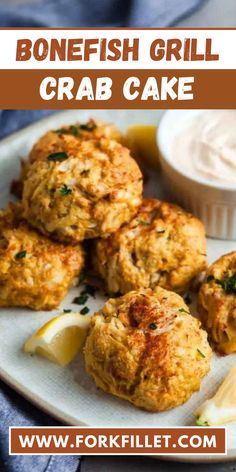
(206, 146)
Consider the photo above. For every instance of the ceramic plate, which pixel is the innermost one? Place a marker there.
(68, 393)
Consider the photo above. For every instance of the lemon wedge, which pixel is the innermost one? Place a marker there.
(59, 339)
(141, 139)
(221, 408)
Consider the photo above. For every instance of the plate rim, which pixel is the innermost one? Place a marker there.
(58, 414)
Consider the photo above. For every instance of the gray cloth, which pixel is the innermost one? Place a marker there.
(98, 13)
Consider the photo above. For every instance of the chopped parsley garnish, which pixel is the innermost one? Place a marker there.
(182, 310)
(143, 222)
(228, 283)
(81, 299)
(90, 126)
(84, 295)
(84, 311)
(65, 190)
(61, 131)
(20, 255)
(67, 310)
(201, 353)
(89, 290)
(58, 156)
(152, 326)
(73, 129)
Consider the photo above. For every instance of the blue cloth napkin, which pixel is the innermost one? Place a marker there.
(76, 13)
(14, 410)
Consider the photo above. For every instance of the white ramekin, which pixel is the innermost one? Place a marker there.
(214, 204)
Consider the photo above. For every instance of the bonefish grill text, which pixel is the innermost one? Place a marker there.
(82, 49)
(118, 68)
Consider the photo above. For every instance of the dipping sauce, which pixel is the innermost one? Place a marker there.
(206, 146)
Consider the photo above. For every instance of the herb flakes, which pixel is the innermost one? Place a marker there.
(90, 290)
(73, 129)
(65, 190)
(201, 353)
(90, 126)
(144, 222)
(228, 284)
(182, 310)
(58, 156)
(152, 326)
(84, 311)
(81, 299)
(84, 295)
(20, 255)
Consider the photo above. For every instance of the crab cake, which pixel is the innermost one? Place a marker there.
(85, 195)
(163, 245)
(217, 303)
(34, 271)
(64, 140)
(145, 347)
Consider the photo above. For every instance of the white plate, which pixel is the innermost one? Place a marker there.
(68, 393)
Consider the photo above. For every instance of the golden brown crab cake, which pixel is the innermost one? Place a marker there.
(217, 303)
(145, 347)
(163, 245)
(35, 272)
(65, 139)
(85, 195)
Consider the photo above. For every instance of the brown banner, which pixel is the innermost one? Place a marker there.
(20, 89)
(68, 440)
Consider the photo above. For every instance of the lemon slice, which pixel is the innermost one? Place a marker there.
(141, 139)
(221, 408)
(59, 339)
